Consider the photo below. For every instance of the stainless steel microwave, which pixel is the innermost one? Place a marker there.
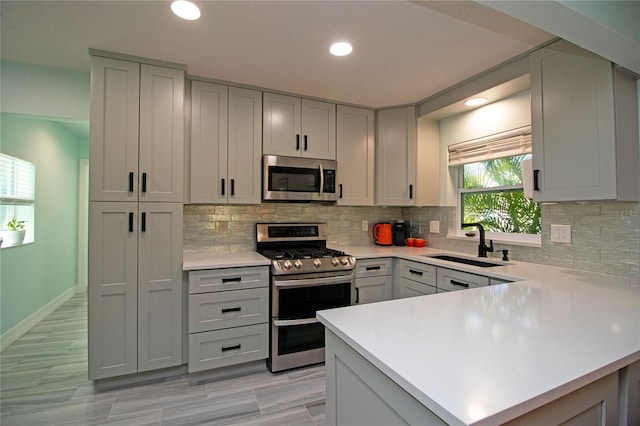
(298, 179)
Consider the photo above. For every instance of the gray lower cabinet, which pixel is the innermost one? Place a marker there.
(135, 287)
(374, 280)
(452, 280)
(630, 394)
(413, 279)
(228, 317)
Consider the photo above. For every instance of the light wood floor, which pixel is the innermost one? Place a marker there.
(43, 381)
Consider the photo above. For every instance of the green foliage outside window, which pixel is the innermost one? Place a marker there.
(504, 209)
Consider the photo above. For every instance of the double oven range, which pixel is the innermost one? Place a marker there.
(306, 277)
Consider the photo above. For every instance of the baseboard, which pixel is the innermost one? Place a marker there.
(18, 330)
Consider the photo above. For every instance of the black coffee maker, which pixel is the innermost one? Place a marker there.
(400, 233)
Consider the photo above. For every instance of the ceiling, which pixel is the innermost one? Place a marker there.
(404, 52)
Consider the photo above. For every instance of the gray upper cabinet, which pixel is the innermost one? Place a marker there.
(584, 126)
(396, 157)
(356, 156)
(137, 132)
(226, 144)
(298, 127)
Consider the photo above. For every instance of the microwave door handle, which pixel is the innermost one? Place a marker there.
(321, 179)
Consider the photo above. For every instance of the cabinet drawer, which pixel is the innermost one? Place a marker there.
(450, 280)
(218, 310)
(228, 279)
(373, 267)
(214, 349)
(420, 272)
(409, 288)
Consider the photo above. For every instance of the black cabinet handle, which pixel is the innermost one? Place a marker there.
(130, 221)
(536, 180)
(305, 142)
(144, 182)
(340, 186)
(357, 295)
(231, 280)
(410, 192)
(233, 187)
(297, 142)
(461, 284)
(234, 309)
(231, 348)
(223, 186)
(373, 268)
(413, 271)
(130, 181)
(143, 225)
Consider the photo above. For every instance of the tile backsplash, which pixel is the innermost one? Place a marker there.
(605, 236)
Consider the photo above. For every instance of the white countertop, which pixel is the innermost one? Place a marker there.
(488, 355)
(212, 260)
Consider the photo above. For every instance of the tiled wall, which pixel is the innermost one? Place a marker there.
(605, 236)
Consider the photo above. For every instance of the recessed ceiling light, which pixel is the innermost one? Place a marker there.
(341, 48)
(185, 9)
(475, 101)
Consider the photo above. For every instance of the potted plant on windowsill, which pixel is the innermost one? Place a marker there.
(13, 233)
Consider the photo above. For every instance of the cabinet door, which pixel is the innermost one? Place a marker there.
(318, 130)
(355, 146)
(209, 103)
(373, 289)
(396, 151)
(113, 261)
(160, 286)
(404, 287)
(113, 153)
(281, 125)
(161, 162)
(245, 146)
(573, 124)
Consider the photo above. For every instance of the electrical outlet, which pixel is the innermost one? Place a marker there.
(365, 226)
(434, 226)
(561, 234)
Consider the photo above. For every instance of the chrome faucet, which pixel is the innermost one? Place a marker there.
(482, 247)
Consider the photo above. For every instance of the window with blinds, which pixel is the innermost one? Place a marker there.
(507, 144)
(17, 181)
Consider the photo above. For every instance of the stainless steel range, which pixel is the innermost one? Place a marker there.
(306, 277)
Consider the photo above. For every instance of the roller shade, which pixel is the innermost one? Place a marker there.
(506, 144)
(17, 180)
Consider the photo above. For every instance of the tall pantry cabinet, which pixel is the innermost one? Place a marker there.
(135, 217)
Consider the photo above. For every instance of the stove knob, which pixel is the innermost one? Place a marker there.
(286, 264)
(297, 264)
(344, 261)
(352, 260)
(335, 261)
(317, 263)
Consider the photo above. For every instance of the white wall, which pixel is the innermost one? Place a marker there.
(44, 92)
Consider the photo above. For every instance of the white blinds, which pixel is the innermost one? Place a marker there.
(506, 144)
(17, 180)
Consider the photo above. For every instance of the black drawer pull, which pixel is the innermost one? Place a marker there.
(231, 348)
(411, 192)
(143, 225)
(234, 309)
(461, 284)
(130, 181)
(413, 271)
(357, 295)
(222, 186)
(340, 186)
(233, 187)
(232, 280)
(297, 142)
(130, 221)
(305, 142)
(536, 180)
(373, 268)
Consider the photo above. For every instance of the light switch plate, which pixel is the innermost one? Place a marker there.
(365, 226)
(561, 234)
(434, 226)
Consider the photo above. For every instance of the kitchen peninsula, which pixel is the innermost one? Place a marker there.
(561, 345)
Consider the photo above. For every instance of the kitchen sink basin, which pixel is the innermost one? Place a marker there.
(465, 260)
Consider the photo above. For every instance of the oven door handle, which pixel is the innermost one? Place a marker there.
(311, 282)
(287, 323)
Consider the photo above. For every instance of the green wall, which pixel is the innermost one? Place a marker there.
(34, 274)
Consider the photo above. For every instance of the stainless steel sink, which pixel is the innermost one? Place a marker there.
(465, 260)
